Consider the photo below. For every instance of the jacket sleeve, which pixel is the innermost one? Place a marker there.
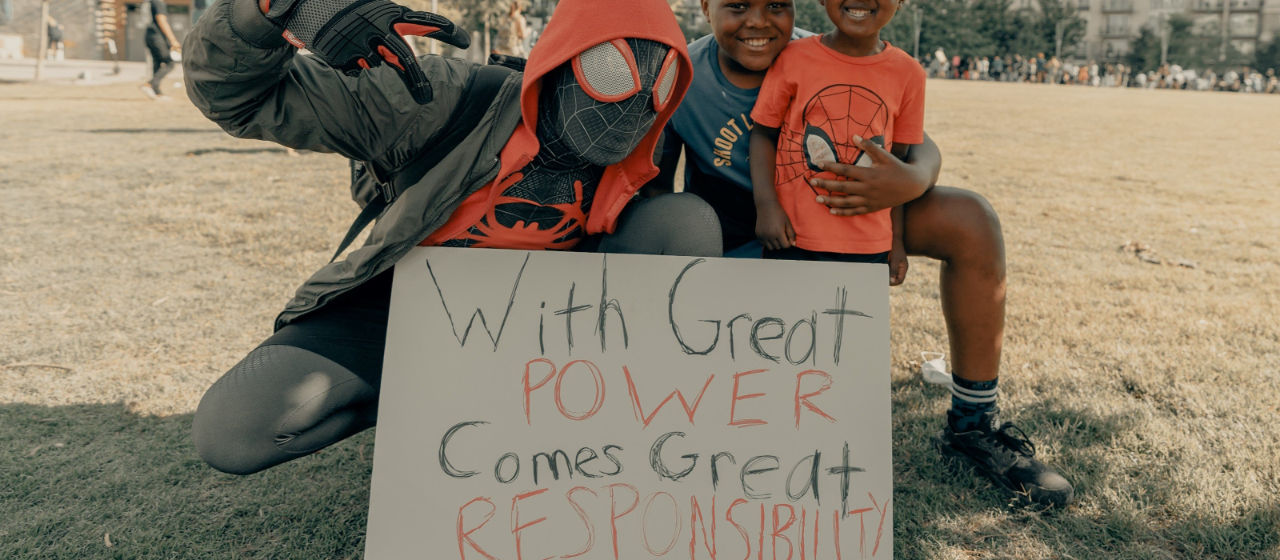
(242, 74)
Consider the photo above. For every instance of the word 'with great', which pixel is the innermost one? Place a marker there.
(772, 338)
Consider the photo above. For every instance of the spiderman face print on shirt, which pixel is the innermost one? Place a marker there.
(832, 118)
(593, 112)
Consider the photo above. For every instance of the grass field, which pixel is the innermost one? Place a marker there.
(144, 252)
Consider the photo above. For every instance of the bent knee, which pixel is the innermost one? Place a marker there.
(224, 439)
(950, 223)
(968, 212)
(669, 224)
(700, 235)
(222, 449)
(279, 403)
(692, 206)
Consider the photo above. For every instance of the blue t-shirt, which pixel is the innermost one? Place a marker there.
(714, 120)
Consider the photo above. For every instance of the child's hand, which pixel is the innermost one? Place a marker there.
(897, 264)
(887, 183)
(774, 230)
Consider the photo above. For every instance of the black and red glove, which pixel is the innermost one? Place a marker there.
(351, 35)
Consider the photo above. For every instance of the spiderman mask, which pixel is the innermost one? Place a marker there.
(597, 107)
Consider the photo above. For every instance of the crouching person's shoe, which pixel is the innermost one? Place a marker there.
(1007, 457)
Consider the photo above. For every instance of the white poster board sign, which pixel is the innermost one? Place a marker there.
(541, 405)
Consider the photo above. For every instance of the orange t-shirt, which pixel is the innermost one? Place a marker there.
(820, 99)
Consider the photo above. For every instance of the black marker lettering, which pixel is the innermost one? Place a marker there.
(655, 458)
(812, 350)
(568, 311)
(605, 305)
(462, 340)
(445, 465)
(840, 311)
(671, 314)
(748, 469)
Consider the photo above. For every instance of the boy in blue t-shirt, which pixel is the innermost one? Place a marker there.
(955, 226)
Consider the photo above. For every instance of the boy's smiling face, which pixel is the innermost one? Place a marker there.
(860, 19)
(750, 33)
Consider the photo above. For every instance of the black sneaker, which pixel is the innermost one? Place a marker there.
(1007, 457)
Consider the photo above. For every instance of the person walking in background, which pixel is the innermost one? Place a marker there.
(512, 33)
(161, 43)
(56, 47)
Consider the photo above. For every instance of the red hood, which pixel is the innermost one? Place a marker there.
(576, 26)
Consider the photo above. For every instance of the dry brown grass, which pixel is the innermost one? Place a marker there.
(144, 252)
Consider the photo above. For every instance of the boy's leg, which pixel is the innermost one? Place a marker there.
(960, 229)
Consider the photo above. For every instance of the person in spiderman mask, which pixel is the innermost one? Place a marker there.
(553, 163)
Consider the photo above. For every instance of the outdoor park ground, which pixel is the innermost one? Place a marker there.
(143, 252)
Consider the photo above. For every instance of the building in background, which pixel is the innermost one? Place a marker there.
(1114, 24)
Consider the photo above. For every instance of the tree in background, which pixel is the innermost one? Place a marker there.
(1267, 55)
(952, 25)
(1054, 17)
(692, 23)
(1006, 28)
(1144, 51)
(1187, 46)
(811, 16)
(980, 27)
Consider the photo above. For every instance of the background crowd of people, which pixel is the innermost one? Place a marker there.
(1052, 70)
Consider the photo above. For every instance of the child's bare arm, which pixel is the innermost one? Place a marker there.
(772, 226)
(898, 254)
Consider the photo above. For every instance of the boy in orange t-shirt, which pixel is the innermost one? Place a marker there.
(820, 99)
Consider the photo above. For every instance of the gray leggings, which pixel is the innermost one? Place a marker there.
(315, 382)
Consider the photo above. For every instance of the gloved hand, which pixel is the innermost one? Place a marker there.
(350, 35)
